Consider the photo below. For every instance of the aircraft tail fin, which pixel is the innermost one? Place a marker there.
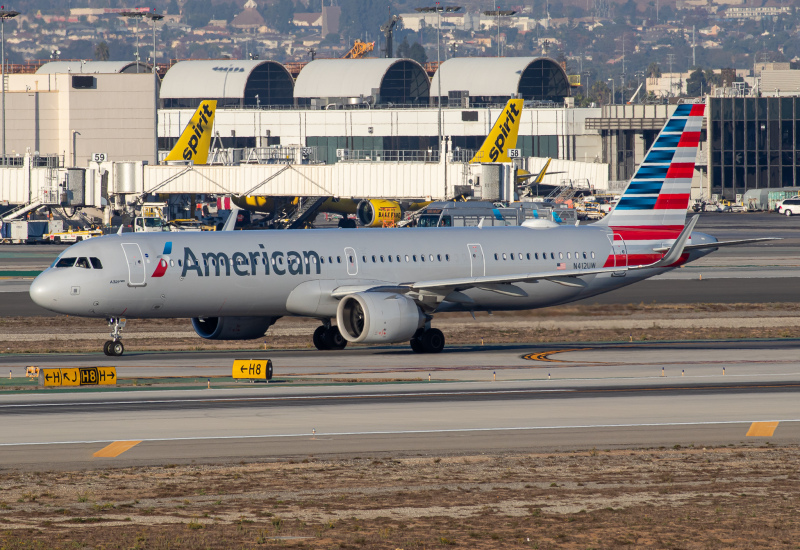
(657, 197)
(503, 135)
(195, 141)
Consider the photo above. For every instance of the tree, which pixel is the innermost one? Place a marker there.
(280, 16)
(696, 84)
(403, 49)
(101, 51)
(363, 18)
(196, 13)
(654, 70)
(417, 53)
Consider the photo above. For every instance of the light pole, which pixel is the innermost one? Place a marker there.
(613, 91)
(4, 14)
(438, 8)
(150, 14)
(497, 13)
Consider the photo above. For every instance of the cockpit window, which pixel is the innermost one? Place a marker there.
(96, 263)
(66, 262)
(83, 262)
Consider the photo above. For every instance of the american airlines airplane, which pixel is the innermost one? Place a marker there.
(381, 286)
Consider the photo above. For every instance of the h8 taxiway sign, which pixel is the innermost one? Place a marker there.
(252, 369)
(84, 376)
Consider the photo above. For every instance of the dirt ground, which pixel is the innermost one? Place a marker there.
(677, 498)
(571, 323)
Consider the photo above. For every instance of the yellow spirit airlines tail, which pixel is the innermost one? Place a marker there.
(503, 135)
(195, 141)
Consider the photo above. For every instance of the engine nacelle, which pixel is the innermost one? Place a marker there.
(373, 213)
(232, 328)
(378, 317)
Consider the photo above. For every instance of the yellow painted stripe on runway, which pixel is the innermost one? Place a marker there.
(544, 355)
(762, 429)
(116, 449)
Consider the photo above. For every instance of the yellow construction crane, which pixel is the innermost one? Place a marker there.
(359, 49)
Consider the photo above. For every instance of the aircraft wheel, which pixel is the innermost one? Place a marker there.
(433, 340)
(416, 345)
(319, 338)
(106, 346)
(116, 348)
(334, 339)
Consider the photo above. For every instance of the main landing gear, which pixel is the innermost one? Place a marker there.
(114, 347)
(328, 337)
(427, 340)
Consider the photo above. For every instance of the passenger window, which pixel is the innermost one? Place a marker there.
(504, 255)
(82, 262)
(381, 258)
(97, 265)
(390, 259)
(322, 259)
(430, 257)
(536, 256)
(415, 257)
(584, 255)
(66, 262)
(519, 255)
(447, 257)
(592, 254)
(398, 257)
(529, 255)
(577, 256)
(374, 260)
(422, 257)
(439, 257)
(338, 259)
(406, 258)
(560, 255)
(568, 256)
(330, 259)
(180, 263)
(495, 256)
(512, 255)
(552, 256)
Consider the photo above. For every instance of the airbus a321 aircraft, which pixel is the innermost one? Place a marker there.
(385, 285)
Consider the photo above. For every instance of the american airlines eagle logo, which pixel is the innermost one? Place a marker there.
(163, 261)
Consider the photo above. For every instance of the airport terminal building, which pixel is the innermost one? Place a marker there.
(386, 112)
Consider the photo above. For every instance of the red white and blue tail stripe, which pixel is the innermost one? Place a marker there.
(657, 196)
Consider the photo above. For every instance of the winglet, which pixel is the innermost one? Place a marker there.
(230, 223)
(676, 250)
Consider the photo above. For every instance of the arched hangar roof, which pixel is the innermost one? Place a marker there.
(531, 78)
(93, 67)
(230, 82)
(397, 80)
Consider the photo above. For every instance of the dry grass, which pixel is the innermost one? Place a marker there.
(655, 498)
(460, 328)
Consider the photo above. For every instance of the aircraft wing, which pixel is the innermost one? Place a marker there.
(504, 284)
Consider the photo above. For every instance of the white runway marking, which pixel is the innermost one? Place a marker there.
(409, 432)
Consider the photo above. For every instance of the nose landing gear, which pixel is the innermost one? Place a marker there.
(114, 347)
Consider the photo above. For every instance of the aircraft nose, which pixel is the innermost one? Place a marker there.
(43, 292)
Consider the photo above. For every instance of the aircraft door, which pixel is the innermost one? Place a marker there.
(620, 251)
(352, 261)
(135, 260)
(476, 260)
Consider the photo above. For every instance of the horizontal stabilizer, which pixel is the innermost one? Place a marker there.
(706, 246)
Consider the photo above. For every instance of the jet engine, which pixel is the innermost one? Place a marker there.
(378, 317)
(232, 328)
(373, 213)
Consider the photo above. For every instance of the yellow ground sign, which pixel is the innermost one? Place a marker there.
(83, 376)
(252, 369)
